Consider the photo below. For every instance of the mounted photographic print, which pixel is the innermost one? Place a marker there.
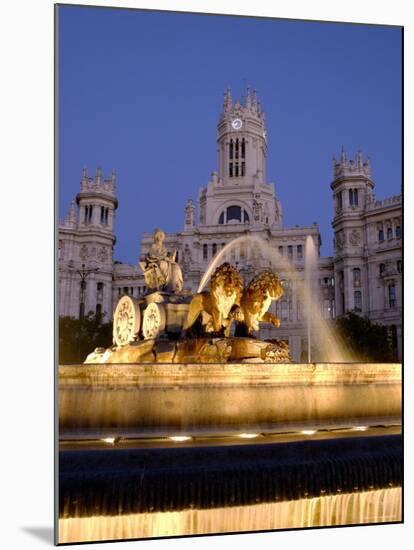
(229, 274)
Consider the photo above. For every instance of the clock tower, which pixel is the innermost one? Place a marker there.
(241, 139)
(238, 192)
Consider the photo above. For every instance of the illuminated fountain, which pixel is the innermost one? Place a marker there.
(189, 424)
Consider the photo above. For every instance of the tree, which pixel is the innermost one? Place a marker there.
(368, 341)
(79, 337)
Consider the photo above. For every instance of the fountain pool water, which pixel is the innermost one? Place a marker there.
(160, 448)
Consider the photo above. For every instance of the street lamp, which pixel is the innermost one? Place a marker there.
(83, 274)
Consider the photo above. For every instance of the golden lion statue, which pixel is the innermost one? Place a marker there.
(256, 300)
(216, 306)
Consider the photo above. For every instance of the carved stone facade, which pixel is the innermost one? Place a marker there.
(239, 201)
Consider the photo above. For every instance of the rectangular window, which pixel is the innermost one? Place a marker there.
(281, 250)
(236, 169)
(381, 235)
(290, 252)
(389, 233)
(284, 310)
(392, 297)
(398, 232)
(299, 312)
(300, 252)
(290, 310)
(327, 309)
(356, 275)
(243, 168)
(358, 301)
(231, 169)
(205, 252)
(214, 249)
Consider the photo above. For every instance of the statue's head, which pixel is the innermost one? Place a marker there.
(159, 235)
(227, 278)
(267, 283)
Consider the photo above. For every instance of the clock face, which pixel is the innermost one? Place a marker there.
(237, 124)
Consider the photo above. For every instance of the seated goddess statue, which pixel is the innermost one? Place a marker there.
(161, 271)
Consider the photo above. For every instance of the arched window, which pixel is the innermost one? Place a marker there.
(381, 269)
(339, 200)
(243, 148)
(214, 249)
(356, 275)
(353, 197)
(398, 232)
(381, 235)
(300, 252)
(389, 233)
(233, 214)
(205, 251)
(231, 150)
(237, 149)
(281, 250)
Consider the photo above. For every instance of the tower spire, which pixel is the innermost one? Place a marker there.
(248, 99)
(70, 220)
(254, 105)
(359, 157)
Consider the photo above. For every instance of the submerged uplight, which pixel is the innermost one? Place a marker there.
(179, 438)
(308, 432)
(248, 435)
(110, 440)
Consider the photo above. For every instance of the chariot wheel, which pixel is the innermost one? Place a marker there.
(127, 321)
(153, 321)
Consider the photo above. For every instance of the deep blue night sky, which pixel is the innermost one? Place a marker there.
(141, 92)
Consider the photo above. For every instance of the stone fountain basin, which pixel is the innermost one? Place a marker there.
(140, 400)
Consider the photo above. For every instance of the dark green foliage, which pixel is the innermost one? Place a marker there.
(79, 337)
(366, 340)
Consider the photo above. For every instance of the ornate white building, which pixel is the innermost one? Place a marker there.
(364, 275)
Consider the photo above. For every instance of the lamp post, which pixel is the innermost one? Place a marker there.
(83, 274)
